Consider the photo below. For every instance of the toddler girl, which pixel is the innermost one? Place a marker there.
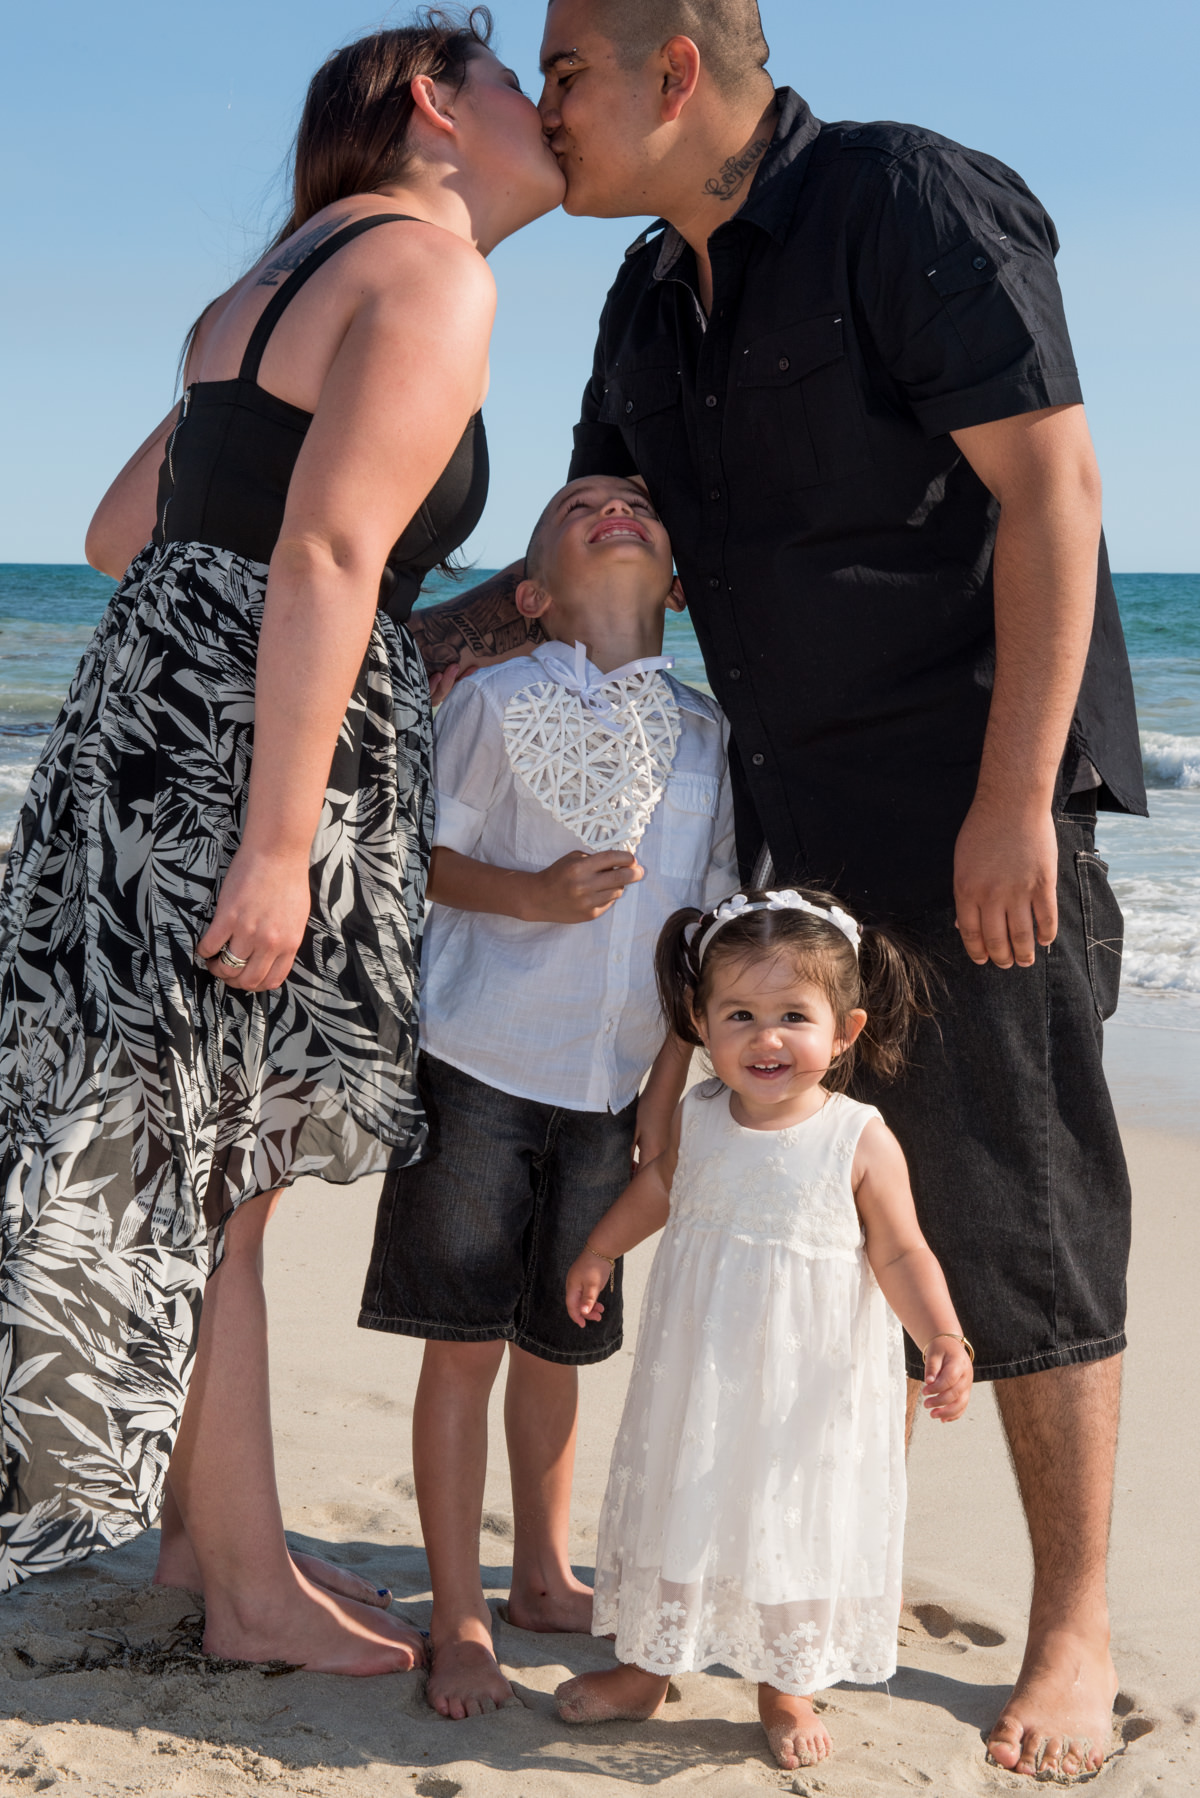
(755, 1507)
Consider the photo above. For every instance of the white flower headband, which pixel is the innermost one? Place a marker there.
(739, 906)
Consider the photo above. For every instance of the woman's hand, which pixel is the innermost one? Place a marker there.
(949, 1377)
(585, 1282)
(262, 912)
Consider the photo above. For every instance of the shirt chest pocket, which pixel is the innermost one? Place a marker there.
(644, 403)
(688, 818)
(800, 407)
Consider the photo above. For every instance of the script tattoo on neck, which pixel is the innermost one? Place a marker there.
(290, 258)
(733, 173)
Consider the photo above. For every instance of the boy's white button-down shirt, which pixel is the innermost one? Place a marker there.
(565, 1014)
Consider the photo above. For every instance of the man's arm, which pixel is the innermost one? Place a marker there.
(1042, 469)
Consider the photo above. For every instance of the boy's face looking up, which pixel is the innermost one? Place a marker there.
(599, 547)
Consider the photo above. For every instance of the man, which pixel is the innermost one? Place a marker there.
(840, 364)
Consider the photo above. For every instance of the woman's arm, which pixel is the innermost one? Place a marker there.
(908, 1272)
(642, 1209)
(124, 519)
(399, 394)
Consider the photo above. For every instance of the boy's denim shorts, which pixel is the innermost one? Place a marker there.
(473, 1243)
(1005, 1117)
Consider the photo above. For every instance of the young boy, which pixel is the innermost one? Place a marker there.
(582, 797)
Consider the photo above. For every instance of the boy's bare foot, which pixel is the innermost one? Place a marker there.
(566, 1610)
(624, 1695)
(465, 1678)
(797, 1737)
(178, 1568)
(1058, 1722)
(312, 1628)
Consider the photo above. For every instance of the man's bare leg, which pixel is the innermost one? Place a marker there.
(178, 1566)
(1062, 1434)
(541, 1412)
(450, 1467)
(258, 1605)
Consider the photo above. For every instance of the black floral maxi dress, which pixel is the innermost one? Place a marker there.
(142, 1100)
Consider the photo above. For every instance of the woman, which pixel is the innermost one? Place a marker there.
(208, 963)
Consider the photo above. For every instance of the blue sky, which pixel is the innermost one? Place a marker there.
(142, 147)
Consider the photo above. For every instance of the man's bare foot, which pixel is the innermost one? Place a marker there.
(624, 1695)
(465, 1678)
(797, 1737)
(566, 1610)
(1058, 1722)
(178, 1568)
(311, 1628)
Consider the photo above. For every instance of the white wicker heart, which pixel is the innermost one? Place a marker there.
(602, 778)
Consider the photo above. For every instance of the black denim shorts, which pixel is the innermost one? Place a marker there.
(473, 1243)
(1005, 1117)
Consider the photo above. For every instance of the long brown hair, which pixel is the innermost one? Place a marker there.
(892, 984)
(353, 134)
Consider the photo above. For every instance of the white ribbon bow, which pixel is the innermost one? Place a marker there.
(580, 676)
(739, 906)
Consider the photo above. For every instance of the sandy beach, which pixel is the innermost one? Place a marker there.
(88, 1706)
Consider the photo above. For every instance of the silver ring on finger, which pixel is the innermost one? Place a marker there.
(225, 954)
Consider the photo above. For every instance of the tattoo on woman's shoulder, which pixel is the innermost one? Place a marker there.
(288, 259)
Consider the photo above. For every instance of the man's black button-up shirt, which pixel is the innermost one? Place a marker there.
(880, 288)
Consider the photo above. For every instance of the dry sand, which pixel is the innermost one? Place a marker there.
(343, 1402)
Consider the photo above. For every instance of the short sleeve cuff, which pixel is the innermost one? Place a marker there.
(457, 826)
(1004, 396)
(600, 449)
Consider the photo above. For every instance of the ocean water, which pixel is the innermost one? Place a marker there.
(47, 613)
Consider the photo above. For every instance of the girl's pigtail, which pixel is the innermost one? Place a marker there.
(897, 991)
(677, 973)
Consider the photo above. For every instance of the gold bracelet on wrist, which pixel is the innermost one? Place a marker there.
(612, 1278)
(953, 1338)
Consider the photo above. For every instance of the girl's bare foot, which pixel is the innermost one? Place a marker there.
(312, 1628)
(566, 1610)
(178, 1567)
(624, 1695)
(796, 1736)
(465, 1678)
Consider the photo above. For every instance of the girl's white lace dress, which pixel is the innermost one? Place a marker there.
(754, 1516)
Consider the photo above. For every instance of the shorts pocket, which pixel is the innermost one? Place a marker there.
(1104, 931)
(689, 814)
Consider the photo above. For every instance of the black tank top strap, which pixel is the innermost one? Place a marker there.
(278, 303)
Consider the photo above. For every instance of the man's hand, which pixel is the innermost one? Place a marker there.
(1006, 883)
(580, 887)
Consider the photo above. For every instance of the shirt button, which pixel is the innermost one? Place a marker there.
(735, 674)
(853, 134)
(785, 363)
(758, 760)
(715, 494)
(979, 262)
(714, 583)
(629, 405)
(711, 400)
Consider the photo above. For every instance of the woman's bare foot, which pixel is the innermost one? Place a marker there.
(1058, 1722)
(315, 1629)
(797, 1737)
(624, 1695)
(465, 1678)
(566, 1609)
(178, 1568)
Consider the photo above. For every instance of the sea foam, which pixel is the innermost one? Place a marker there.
(1171, 761)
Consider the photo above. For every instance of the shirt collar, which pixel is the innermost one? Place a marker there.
(771, 199)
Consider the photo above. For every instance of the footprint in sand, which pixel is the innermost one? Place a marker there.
(933, 1627)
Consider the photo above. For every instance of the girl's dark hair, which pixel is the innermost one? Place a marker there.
(353, 134)
(889, 981)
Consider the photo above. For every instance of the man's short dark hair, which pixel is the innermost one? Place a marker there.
(727, 33)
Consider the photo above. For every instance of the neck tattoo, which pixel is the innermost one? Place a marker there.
(733, 172)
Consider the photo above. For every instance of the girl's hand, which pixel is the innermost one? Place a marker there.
(262, 911)
(949, 1377)
(585, 1282)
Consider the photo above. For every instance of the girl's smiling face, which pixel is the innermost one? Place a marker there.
(771, 1034)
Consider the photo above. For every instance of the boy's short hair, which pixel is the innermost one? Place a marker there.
(728, 33)
(537, 542)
